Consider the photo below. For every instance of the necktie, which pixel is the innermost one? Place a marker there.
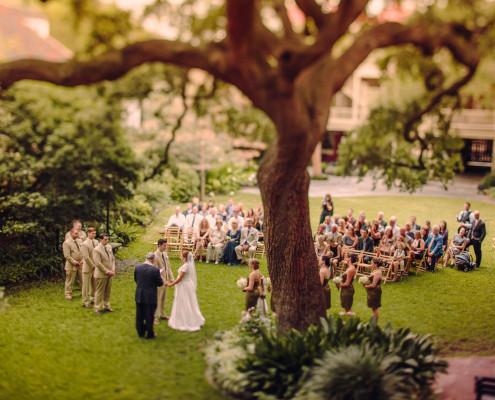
(247, 236)
(94, 246)
(76, 244)
(193, 219)
(106, 251)
(163, 258)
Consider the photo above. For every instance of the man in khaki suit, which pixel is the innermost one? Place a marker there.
(76, 224)
(163, 264)
(88, 269)
(105, 269)
(249, 240)
(73, 256)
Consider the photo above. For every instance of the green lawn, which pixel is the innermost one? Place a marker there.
(54, 349)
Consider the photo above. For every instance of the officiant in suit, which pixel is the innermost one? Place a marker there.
(148, 279)
(249, 240)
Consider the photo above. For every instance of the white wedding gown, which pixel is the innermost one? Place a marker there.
(186, 315)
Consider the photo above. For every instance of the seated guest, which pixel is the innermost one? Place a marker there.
(375, 233)
(233, 239)
(194, 219)
(320, 246)
(177, 219)
(402, 233)
(409, 231)
(350, 240)
(204, 209)
(362, 219)
(428, 225)
(188, 211)
(335, 219)
(257, 223)
(425, 232)
(237, 217)
(259, 210)
(320, 231)
(212, 216)
(250, 213)
(445, 234)
(458, 244)
(195, 203)
(387, 241)
(393, 224)
(381, 221)
(400, 256)
(350, 217)
(417, 246)
(328, 223)
(434, 244)
(414, 226)
(241, 210)
(222, 212)
(334, 235)
(211, 204)
(357, 228)
(249, 241)
(334, 251)
(365, 243)
(342, 226)
(217, 241)
(202, 239)
(230, 208)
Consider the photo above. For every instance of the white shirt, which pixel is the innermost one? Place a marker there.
(212, 220)
(197, 218)
(239, 219)
(395, 230)
(177, 220)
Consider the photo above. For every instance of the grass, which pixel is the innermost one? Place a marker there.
(54, 349)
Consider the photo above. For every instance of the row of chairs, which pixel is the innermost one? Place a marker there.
(179, 241)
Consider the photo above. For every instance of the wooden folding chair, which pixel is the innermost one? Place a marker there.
(173, 236)
(386, 268)
(418, 265)
(363, 267)
(187, 239)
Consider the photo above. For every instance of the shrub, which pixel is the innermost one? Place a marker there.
(122, 232)
(185, 185)
(270, 365)
(487, 182)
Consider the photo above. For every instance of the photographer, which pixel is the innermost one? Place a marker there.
(327, 207)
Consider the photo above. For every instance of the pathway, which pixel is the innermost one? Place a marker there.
(465, 186)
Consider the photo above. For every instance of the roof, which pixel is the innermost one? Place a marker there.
(25, 33)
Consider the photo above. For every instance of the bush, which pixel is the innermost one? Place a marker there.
(230, 178)
(270, 365)
(122, 232)
(185, 185)
(487, 182)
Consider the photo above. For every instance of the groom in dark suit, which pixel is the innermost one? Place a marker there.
(148, 279)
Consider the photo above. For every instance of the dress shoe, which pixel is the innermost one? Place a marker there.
(109, 309)
(98, 312)
(69, 298)
(87, 306)
(165, 317)
(156, 322)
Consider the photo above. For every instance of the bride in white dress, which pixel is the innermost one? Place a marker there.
(186, 315)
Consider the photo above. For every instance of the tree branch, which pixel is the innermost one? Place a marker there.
(116, 63)
(311, 9)
(281, 10)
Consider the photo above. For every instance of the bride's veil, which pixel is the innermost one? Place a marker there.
(192, 269)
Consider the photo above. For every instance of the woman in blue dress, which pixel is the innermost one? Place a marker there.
(229, 256)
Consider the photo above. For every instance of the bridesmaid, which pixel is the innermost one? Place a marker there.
(325, 276)
(374, 289)
(347, 292)
(254, 283)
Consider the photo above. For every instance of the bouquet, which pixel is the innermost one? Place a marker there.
(228, 238)
(364, 280)
(267, 281)
(242, 283)
(337, 280)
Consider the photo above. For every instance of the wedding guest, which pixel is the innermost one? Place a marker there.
(188, 211)
(334, 234)
(319, 232)
(186, 315)
(217, 241)
(328, 223)
(249, 241)
(402, 233)
(417, 246)
(162, 262)
(458, 244)
(374, 289)
(425, 232)
(347, 292)
(104, 271)
(400, 255)
(365, 243)
(466, 218)
(147, 279)
(327, 207)
(204, 210)
(393, 224)
(241, 210)
(325, 276)
(428, 226)
(387, 242)
(414, 226)
(254, 282)
(350, 218)
(222, 212)
(212, 217)
(229, 255)
(335, 219)
(477, 235)
(409, 231)
(320, 246)
(194, 219)
(250, 213)
(445, 234)
(375, 233)
(381, 221)
(230, 208)
(350, 240)
(177, 219)
(88, 269)
(342, 226)
(237, 217)
(258, 224)
(334, 250)
(195, 203)
(73, 260)
(211, 204)
(202, 240)
(434, 243)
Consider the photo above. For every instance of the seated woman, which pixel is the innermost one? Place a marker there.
(320, 246)
(217, 242)
(203, 239)
(342, 226)
(387, 241)
(400, 256)
(374, 289)
(233, 240)
(357, 228)
(445, 234)
(258, 224)
(334, 251)
(350, 240)
(347, 288)
(222, 212)
(458, 244)
(250, 213)
(319, 232)
(325, 276)
(417, 246)
(425, 232)
(375, 233)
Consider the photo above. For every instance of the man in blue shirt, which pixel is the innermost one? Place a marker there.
(434, 244)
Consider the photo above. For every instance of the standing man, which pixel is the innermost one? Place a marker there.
(477, 235)
(148, 279)
(73, 257)
(163, 264)
(77, 226)
(104, 271)
(249, 241)
(88, 269)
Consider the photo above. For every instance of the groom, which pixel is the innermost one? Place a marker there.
(148, 279)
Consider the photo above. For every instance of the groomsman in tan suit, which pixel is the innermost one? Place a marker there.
(73, 256)
(76, 224)
(104, 271)
(163, 264)
(88, 269)
(249, 240)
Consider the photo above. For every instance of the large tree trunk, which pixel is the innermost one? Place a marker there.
(297, 295)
